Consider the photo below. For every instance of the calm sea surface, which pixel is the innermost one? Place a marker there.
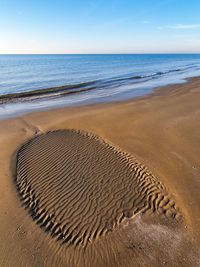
(101, 78)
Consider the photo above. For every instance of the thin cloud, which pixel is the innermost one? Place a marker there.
(145, 22)
(180, 27)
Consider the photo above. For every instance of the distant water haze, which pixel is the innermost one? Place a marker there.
(91, 78)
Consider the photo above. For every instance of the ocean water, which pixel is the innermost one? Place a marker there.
(88, 78)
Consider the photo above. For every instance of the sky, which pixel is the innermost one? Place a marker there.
(99, 26)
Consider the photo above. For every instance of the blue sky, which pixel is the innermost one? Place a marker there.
(99, 26)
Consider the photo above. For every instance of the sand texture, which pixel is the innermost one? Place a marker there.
(80, 188)
(103, 185)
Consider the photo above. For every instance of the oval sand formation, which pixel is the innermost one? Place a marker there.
(79, 187)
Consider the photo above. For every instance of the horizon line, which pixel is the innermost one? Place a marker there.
(134, 53)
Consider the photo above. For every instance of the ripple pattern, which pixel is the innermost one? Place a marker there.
(78, 187)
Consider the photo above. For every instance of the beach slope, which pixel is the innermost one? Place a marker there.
(103, 185)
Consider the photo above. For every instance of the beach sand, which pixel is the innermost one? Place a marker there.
(103, 185)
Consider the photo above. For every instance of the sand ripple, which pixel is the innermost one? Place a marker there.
(79, 187)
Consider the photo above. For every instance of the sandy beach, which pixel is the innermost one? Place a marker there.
(113, 184)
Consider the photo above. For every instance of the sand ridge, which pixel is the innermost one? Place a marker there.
(78, 187)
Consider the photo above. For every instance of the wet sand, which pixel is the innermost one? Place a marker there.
(103, 185)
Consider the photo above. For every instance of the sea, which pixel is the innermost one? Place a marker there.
(37, 82)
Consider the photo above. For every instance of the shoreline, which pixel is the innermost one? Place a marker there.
(161, 130)
(160, 91)
(71, 90)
